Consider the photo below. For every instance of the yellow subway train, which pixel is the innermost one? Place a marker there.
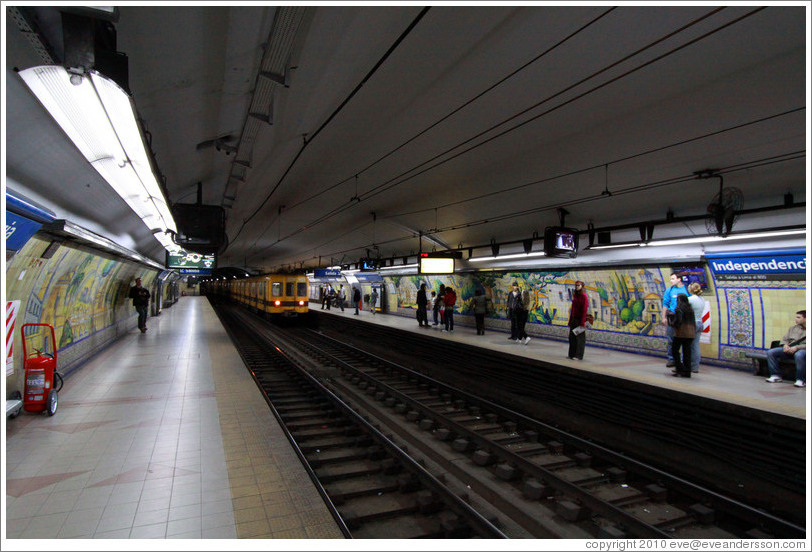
(274, 294)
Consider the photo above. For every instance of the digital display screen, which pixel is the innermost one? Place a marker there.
(565, 240)
(369, 264)
(691, 275)
(435, 265)
(188, 259)
(561, 242)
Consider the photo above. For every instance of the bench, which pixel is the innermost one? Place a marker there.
(14, 405)
(787, 367)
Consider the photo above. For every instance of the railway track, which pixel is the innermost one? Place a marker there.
(372, 487)
(533, 478)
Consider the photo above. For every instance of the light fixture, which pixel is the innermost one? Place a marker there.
(399, 267)
(99, 117)
(705, 239)
(511, 256)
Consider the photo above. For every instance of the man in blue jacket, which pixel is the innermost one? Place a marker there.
(670, 305)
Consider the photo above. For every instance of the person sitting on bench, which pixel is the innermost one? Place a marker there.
(794, 348)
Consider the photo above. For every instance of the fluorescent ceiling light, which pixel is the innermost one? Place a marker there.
(511, 256)
(704, 239)
(413, 265)
(99, 117)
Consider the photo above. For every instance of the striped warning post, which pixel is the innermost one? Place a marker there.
(11, 315)
(706, 319)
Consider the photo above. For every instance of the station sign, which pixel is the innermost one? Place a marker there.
(758, 265)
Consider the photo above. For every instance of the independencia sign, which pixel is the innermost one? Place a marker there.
(769, 265)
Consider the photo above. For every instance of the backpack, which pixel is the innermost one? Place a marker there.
(450, 298)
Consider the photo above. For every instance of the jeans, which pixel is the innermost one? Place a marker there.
(774, 355)
(142, 316)
(695, 356)
(449, 319)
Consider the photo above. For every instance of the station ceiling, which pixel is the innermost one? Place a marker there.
(331, 133)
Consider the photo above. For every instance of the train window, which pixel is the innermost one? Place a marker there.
(301, 288)
(276, 289)
(289, 288)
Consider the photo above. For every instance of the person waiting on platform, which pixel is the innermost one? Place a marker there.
(577, 322)
(341, 297)
(698, 304)
(373, 300)
(669, 305)
(793, 346)
(513, 302)
(140, 296)
(356, 298)
(422, 303)
(449, 300)
(435, 307)
(479, 304)
(684, 325)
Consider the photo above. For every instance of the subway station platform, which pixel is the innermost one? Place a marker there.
(162, 435)
(712, 382)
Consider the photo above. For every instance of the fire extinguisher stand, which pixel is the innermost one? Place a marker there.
(42, 381)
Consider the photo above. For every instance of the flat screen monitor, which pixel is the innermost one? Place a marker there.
(368, 264)
(561, 242)
(691, 274)
(188, 259)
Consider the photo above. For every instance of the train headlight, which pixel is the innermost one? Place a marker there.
(277, 303)
(301, 303)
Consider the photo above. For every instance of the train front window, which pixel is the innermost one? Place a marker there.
(289, 289)
(276, 289)
(301, 289)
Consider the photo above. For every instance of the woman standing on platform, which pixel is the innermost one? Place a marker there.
(698, 305)
(684, 333)
(577, 322)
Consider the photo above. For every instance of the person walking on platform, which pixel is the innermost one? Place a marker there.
(373, 300)
(356, 298)
(449, 300)
(140, 296)
(698, 305)
(435, 307)
(684, 332)
(479, 304)
(342, 296)
(669, 305)
(793, 346)
(577, 322)
(513, 302)
(422, 303)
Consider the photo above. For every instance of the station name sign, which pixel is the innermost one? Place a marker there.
(766, 266)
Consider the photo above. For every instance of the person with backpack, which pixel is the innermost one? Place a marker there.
(356, 298)
(449, 300)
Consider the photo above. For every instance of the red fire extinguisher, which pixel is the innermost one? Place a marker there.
(42, 381)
